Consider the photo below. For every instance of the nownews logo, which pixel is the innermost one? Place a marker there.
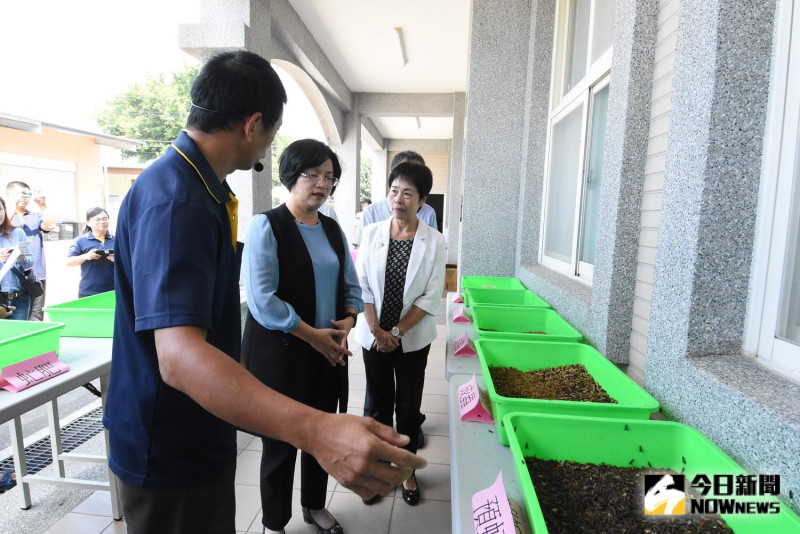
(722, 494)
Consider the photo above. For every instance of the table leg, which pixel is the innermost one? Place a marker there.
(56, 446)
(113, 486)
(20, 467)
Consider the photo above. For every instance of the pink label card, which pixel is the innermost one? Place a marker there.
(462, 346)
(493, 512)
(460, 316)
(458, 298)
(32, 371)
(470, 401)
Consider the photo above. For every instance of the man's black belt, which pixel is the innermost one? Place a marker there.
(14, 294)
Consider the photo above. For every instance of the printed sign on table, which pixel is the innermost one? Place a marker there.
(460, 316)
(22, 375)
(493, 512)
(470, 399)
(462, 346)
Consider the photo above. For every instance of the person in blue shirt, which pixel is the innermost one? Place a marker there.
(381, 210)
(34, 224)
(94, 252)
(178, 391)
(13, 295)
(303, 298)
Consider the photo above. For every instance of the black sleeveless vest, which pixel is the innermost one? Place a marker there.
(295, 270)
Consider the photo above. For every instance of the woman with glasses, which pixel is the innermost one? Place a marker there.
(401, 267)
(94, 252)
(12, 296)
(303, 298)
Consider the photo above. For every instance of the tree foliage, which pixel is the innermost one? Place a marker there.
(366, 181)
(279, 144)
(153, 112)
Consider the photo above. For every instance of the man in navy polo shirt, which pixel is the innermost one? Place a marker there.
(177, 390)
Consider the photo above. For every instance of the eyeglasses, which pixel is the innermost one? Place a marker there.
(100, 219)
(26, 194)
(315, 178)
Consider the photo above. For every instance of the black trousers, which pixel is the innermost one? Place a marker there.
(394, 383)
(292, 367)
(210, 508)
(37, 305)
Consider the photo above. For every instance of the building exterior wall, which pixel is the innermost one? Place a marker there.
(79, 151)
(653, 183)
(690, 85)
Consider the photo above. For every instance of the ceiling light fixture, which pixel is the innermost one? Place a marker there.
(399, 31)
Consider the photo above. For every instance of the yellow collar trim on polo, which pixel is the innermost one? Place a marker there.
(232, 205)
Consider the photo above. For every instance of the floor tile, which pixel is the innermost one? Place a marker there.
(98, 503)
(358, 518)
(436, 450)
(435, 404)
(436, 424)
(426, 517)
(248, 506)
(434, 482)
(247, 468)
(83, 523)
(116, 527)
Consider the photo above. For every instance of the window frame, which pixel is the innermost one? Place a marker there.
(598, 76)
(780, 175)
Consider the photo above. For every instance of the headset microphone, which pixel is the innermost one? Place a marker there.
(258, 167)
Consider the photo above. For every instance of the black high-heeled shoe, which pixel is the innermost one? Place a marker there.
(412, 496)
(335, 529)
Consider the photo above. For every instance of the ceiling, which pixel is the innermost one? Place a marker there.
(360, 40)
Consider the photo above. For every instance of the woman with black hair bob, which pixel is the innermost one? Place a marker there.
(303, 298)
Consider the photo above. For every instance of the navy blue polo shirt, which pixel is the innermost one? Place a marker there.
(175, 265)
(97, 276)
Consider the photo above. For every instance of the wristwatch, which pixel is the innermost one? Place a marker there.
(353, 315)
(396, 332)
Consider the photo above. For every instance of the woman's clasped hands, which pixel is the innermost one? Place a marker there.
(385, 341)
(331, 343)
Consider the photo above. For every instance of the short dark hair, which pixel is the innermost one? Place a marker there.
(91, 213)
(16, 183)
(303, 155)
(418, 175)
(406, 155)
(232, 86)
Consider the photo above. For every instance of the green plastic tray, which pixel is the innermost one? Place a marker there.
(515, 323)
(22, 340)
(664, 444)
(488, 282)
(87, 317)
(524, 298)
(632, 400)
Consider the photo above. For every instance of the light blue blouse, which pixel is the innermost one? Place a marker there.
(260, 275)
(10, 282)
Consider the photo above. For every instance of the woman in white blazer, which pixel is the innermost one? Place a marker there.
(400, 266)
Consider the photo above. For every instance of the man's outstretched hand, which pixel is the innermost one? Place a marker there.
(362, 454)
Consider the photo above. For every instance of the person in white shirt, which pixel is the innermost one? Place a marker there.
(401, 270)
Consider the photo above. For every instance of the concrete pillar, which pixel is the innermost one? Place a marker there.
(498, 49)
(455, 184)
(347, 194)
(380, 171)
(227, 25)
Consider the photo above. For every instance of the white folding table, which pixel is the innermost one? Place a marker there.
(88, 359)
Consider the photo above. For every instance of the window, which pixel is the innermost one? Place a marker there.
(579, 106)
(778, 316)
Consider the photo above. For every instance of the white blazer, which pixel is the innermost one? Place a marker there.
(424, 280)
